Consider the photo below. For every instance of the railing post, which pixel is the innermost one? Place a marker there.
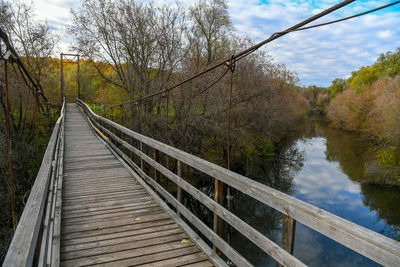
(141, 150)
(157, 159)
(288, 233)
(131, 153)
(122, 115)
(179, 189)
(122, 124)
(219, 198)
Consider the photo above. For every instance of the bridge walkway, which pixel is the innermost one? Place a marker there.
(108, 218)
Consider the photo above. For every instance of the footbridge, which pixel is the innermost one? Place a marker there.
(96, 201)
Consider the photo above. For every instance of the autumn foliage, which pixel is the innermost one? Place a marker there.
(371, 102)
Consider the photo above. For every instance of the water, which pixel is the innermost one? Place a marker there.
(324, 184)
(330, 169)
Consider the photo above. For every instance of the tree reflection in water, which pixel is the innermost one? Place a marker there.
(328, 169)
(276, 172)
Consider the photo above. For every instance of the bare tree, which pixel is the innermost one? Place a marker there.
(211, 29)
(32, 39)
(142, 43)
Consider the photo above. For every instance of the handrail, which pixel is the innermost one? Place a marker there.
(372, 245)
(25, 240)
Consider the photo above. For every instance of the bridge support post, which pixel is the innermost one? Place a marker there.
(61, 75)
(156, 158)
(288, 233)
(219, 198)
(141, 160)
(179, 189)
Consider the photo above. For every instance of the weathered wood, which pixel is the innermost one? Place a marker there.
(256, 237)
(112, 223)
(288, 233)
(219, 198)
(156, 156)
(130, 245)
(179, 261)
(366, 242)
(150, 258)
(118, 240)
(192, 234)
(117, 229)
(107, 216)
(179, 189)
(55, 259)
(23, 244)
(134, 232)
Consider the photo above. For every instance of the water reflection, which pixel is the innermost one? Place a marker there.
(334, 177)
(328, 169)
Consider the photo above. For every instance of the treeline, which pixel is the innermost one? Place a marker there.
(132, 49)
(369, 101)
(144, 48)
(34, 41)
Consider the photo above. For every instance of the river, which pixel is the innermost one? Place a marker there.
(331, 169)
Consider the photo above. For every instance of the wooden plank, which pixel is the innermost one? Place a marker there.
(200, 264)
(122, 215)
(377, 247)
(107, 210)
(139, 261)
(268, 246)
(22, 247)
(118, 229)
(137, 256)
(100, 192)
(119, 214)
(110, 203)
(104, 222)
(187, 260)
(140, 231)
(288, 233)
(88, 159)
(112, 223)
(129, 245)
(55, 259)
(193, 235)
(69, 202)
(97, 194)
(119, 240)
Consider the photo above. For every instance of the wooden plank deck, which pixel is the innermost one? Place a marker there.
(108, 218)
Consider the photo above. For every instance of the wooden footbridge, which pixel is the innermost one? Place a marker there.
(94, 204)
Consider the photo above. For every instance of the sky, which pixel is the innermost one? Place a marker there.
(317, 55)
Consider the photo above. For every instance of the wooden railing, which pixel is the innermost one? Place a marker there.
(40, 220)
(372, 245)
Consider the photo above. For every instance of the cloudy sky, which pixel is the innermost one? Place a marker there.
(317, 55)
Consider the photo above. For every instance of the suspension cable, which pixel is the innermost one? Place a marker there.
(23, 69)
(274, 36)
(247, 51)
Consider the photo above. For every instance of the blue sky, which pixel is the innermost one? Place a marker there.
(317, 55)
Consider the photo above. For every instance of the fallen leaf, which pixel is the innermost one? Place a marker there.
(185, 241)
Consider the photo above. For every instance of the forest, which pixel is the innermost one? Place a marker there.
(125, 57)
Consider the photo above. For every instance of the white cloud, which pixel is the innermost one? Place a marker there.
(317, 55)
(384, 34)
(322, 54)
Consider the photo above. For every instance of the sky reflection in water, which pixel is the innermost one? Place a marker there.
(323, 184)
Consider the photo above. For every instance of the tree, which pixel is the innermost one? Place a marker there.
(142, 43)
(31, 38)
(337, 86)
(211, 29)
